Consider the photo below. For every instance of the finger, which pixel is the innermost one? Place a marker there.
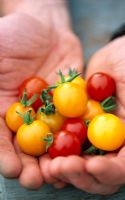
(72, 170)
(107, 171)
(67, 53)
(9, 67)
(109, 60)
(73, 59)
(98, 63)
(74, 56)
(59, 185)
(55, 169)
(30, 176)
(45, 162)
(107, 189)
(105, 59)
(108, 155)
(10, 165)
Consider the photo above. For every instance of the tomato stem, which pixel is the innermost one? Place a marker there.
(109, 104)
(26, 117)
(24, 99)
(49, 139)
(62, 76)
(72, 72)
(29, 102)
(32, 100)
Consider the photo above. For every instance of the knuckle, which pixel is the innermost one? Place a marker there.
(55, 167)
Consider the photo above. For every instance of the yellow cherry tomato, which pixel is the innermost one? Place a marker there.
(80, 81)
(93, 108)
(107, 132)
(70, 99)
(30, 138)
(54, 121)
(13, 120)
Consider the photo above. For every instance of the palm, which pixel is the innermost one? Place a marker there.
(27, 48)
(93, 174)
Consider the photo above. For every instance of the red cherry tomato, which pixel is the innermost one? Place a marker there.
(33, 85)
(65, 144)
(76, 126)
(100, 86)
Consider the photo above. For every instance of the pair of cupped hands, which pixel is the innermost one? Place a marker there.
(31, 48)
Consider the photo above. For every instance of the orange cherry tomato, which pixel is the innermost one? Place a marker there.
(13, 120)
(54, 121)
(30, 138)
(93, 108)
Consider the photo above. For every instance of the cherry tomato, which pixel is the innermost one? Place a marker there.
(33, 85)
(93, 108)
(107, 132)
(70, 99)
(80, 81)
(30, 138)
(54, 121)
(100, 86)
(65, 144)
(13, 120)
(76, 126)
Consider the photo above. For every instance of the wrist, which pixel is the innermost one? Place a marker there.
(52, 12)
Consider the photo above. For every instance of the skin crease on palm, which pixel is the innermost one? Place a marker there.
(29, 47)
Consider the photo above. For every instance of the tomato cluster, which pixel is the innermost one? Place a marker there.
(60, 119)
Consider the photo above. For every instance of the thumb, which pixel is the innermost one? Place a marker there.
(112, 61)
(98, 63)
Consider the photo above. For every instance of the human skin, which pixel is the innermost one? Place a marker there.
(30, 46)
(97, 174)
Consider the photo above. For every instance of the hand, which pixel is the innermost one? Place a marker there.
(98, 174)
(27, 48)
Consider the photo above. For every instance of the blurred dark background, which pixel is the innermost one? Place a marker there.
(95, 20)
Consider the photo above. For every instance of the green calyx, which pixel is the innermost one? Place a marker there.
(93, 150)
(72, 72)
(46, 98)
(87, 122)
(90, 150)
(72, 75)
(48, 109)
(49, 139)
(27, 119)
(109, 104)
(29, 102)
